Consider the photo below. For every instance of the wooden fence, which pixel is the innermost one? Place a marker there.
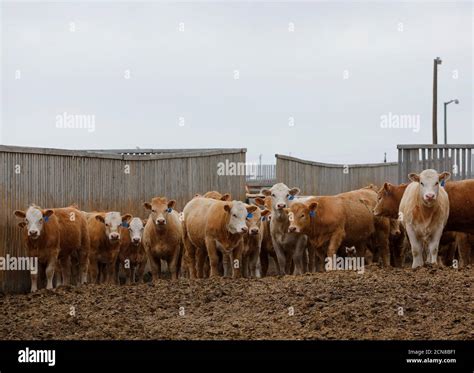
(314, 178)
(457, 159)
(102, 181)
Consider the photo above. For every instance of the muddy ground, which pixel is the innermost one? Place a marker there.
(437, 303)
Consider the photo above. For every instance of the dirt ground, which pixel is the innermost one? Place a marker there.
(437, 303)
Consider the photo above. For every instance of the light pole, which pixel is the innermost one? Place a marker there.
(456, 101)
(437, 61)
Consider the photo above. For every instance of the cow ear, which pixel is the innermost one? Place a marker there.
(22, 224)
(444, 176)
(265, 212)
(226, 197)
(227, 207)
(197, 195)
(259, 201)
(312, 206)
(266, 192)
(251, 208)
(100, 218)
(47, 213)
(287, 210)
(144, 221)
(386, 186)
(171, 203)
(147, 205)
(294, 191)
(414, 177)
(20, 214)
(126, 218)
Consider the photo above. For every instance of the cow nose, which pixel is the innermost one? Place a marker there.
(244, 229)
(136, 240)
(254, 230)
(430, 196)
(292, 228)
(33, 233)
(281, 205)
(160, 221)
(114, 236)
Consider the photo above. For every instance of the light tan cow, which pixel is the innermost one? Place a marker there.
(163, 236)
(424, 211)
(210, 227)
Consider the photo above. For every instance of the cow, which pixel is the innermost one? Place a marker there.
(42, 239)
(212, 226)
(266, 249)
(288, 245)
(105, 238)
(346, 219)
(132, 257)
(424, 211)
(163, 236)
(73, 237)
(218, 196)
(252, 243)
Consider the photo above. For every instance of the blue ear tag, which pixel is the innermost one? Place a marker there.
(125, 224)
(291, 197)
(46, 218)
(442, 183)
(169, 209)
(264, 218)
(312, 213)
(249, 215)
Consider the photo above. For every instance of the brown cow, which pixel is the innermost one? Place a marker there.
(210, 227)
(253, 243)
(42, 239)
(105, 238)
(163, 236)
(74, 242)
(345, 219)
(266, 250)
(132, 256)
(217, 195)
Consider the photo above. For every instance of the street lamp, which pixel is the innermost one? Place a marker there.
(437, 61)
(456, 101)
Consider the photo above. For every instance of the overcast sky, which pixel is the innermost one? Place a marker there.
(322, 81)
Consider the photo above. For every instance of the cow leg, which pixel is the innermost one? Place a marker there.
(245, 267)
(252, 264)
(311, 259)
(140, 272)
(155, 265)
(50, 273)
(299, 254)
(173, 265)
(433, 246)
(201, 258)
(281, 257)
(226, 265)
(34, 280)
(213, 257)
(335, 243)
(128, 275)
(190, 257)
(416, 247)
(264, 262)
(65, 270)
(236, 260)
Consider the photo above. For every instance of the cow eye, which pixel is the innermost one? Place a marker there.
(106, 224)
(422, 184)
(273, 194)
(153, 210)
(302, 215)
(234, 215)
(437, 183)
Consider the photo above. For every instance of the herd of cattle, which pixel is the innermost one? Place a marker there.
(215, 236)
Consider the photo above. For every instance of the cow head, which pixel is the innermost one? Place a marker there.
(213, 194)
(113, 221)
(34, 220)
(135, 228)
(254, 221)
(238, 213)
(160, 209)
(280, 195)
(429, 184)
(351, 251)
(300, 215)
